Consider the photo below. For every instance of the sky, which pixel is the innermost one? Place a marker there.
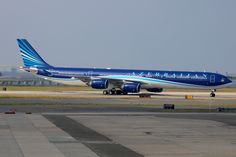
(195, 35)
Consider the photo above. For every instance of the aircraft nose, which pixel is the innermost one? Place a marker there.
(224, 80)
(229, 81)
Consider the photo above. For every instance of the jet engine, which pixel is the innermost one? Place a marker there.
(131, 87)
(99, 84)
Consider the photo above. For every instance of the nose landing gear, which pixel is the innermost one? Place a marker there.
(213, 93)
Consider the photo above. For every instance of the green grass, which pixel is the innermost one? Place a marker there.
(47, 88)
(54, 104)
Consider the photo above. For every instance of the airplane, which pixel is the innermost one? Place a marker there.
(120, 81)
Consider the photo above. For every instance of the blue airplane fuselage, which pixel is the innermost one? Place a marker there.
(162, 79)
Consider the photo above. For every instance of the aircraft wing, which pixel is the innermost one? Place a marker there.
(116, 80)
(124, 78)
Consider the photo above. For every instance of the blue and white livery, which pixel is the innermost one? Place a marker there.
(120, 81)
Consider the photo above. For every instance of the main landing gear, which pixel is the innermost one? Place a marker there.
(213, 93)
(114, 92)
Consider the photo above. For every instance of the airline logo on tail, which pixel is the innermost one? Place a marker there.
(30, 57)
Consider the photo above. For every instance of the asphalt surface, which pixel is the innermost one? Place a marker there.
(100, 144)
(167, 134)
(226, 118)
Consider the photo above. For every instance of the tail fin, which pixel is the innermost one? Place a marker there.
(30, 57)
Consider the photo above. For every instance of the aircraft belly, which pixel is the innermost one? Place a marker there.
(188, 86)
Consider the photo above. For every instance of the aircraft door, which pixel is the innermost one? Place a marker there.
(212, 79)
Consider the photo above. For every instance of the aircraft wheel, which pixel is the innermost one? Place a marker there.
(212, 94)
(124, 93)
(105, 92)
(118, 92)
(111, 92)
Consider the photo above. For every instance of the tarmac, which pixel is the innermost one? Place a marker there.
(74, 129)
(118, 135)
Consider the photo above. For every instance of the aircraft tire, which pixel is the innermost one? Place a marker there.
(213, 94)
(105, 92)
(110, 92)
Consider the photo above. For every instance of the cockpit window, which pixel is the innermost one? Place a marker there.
(223, 79)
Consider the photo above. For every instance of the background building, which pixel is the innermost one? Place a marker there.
(13, 76)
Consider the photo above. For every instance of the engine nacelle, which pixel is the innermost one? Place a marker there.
(131, 87)
(99, 84)
(156, 90)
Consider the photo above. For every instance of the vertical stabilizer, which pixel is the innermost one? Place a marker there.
(30, 57)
